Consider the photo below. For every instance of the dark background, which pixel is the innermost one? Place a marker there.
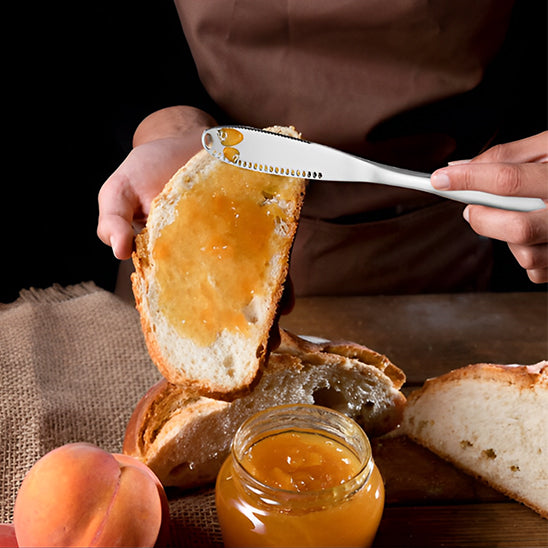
(77, 80)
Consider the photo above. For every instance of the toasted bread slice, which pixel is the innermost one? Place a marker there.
(491, 421)
(209, 271)
(184, 438)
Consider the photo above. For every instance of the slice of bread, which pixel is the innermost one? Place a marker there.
(209, 271)
(492, 422)
(185, 438)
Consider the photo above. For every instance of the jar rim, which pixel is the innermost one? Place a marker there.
(243, 439)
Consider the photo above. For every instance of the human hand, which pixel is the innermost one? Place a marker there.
(519, 168)
(125, 197)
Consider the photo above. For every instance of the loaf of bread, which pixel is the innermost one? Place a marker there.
(184, 438)
(492, 422)
(209, 271)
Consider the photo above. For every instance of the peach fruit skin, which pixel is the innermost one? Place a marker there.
(81, 495)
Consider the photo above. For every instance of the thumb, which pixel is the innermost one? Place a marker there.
(116, 212)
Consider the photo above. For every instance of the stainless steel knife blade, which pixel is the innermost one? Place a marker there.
(269, 152)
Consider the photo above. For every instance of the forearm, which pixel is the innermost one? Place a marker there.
(172, 122)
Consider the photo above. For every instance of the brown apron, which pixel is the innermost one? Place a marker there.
(339, 72)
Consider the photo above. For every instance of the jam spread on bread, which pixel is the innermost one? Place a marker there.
(230, 222)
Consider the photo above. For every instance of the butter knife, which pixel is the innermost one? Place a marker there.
(269, 152)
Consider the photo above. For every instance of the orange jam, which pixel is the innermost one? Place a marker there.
(230, 136)
(300, 461)
(221, 239)
(299, 475)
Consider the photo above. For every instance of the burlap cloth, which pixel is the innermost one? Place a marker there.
(73, 365)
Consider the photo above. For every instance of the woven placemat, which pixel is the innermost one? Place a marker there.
(73, 365)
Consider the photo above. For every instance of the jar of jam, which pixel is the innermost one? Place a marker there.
(299, 475)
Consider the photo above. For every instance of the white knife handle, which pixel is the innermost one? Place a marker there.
(510, 203)
(421, 181)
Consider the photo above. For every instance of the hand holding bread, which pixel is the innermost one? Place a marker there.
(163, 142)
(209, 271)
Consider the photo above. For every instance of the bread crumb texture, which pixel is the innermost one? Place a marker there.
(188, 438)
(489, 420)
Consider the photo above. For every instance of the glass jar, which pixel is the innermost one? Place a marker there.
(299, 475)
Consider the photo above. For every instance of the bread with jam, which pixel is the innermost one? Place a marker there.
(210, 267)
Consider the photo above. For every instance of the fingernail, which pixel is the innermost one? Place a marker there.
(440, 181)
(458, 162)
(114, 246)
(466, 214)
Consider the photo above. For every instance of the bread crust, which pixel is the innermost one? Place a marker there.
(184, 438)
(523, 377)
(425, 408)
(293, 344)
(257, 346)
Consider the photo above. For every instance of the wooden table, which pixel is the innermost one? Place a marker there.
(429, 502)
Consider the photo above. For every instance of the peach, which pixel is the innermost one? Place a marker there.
(81, 495)
(7, 536)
